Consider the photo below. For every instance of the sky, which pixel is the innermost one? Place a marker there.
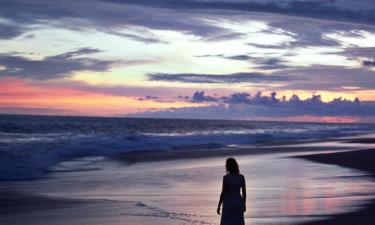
(297, 60)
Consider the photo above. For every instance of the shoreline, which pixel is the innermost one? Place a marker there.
(137, 157)
(337, 144)
(16, 204)
(151, 156)
(357, 159)
(336, 155)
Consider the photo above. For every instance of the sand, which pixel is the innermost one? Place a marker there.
(181, 187)
(362, 160)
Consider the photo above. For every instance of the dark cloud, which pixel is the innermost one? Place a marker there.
(148, 97)
(265, 63)
(8, 31)
(131, 19)
(313, 9)
(323, 77)
(117, 16)
(368, 63)
(270, 63)
(137, 37)
(54, 66)
(110, 17)
(365, 55)
(29, 36)
(237, 98)
(216, 78)
(243, 105)
(270, 46)
(244, 98)
(355, 52)
(239, 57)
(199, 96)
(295, 106)
(154, 99)
(306, 33)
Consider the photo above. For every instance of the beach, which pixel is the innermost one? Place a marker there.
(362, 160)
(130, 112)
(290, 184)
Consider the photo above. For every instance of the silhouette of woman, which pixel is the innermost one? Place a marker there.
(234, 205)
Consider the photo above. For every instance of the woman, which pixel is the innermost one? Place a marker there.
(234, 205)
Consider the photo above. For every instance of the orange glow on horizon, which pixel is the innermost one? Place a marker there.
(23, 96)
(16, 93)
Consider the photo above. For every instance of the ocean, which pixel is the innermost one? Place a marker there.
(65, 170)
(31, 145)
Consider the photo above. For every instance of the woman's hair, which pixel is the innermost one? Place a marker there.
(232, 166)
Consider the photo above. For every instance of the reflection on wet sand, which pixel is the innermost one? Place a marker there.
(280, 190)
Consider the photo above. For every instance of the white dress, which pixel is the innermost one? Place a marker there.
(233, 205)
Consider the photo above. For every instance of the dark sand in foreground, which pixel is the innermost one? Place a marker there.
(362, 160)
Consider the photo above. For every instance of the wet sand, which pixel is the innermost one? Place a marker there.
(33, 204)
(135, 157)
(362, 160)
(13, 202)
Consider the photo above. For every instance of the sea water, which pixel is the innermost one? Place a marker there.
(31, 145)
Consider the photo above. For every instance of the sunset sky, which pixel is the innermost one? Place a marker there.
(216, 59)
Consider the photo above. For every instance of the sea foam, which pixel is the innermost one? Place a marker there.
(31, 145)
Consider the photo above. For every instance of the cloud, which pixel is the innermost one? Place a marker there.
(368, 63)
(245, 106)
(306, 33)
(8, 31)
(199, 96)
(264, 63)
(368, 52)
(208, 21)
(237, 98)
(52, 67)
(118, 18)
(322, 77)
(270, 64)
(142, 36)
(189, 16)
(314, 9)
(154, 99)
(270, 46)
(273, 106)
(243, 77)
(148, 97)
(239, 57)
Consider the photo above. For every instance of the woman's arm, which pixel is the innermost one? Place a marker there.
(221, 197)
(243, 187)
